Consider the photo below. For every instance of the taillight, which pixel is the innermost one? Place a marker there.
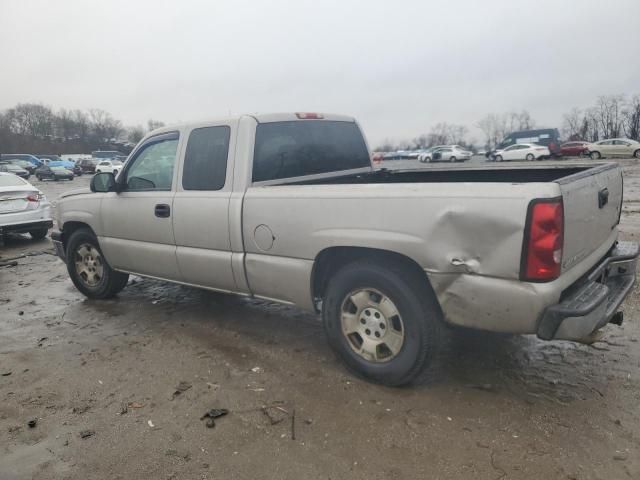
(309, 116)
(543, 241)
(34, 197)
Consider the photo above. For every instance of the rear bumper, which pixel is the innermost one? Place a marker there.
(593, 301)
(25, 220)
(25, 227)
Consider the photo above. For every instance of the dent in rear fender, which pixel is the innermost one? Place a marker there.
(494, 304)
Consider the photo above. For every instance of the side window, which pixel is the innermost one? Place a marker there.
(205, 161)
(152, 167)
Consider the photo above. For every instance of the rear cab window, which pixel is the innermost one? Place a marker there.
(205, 160)
(291, 149)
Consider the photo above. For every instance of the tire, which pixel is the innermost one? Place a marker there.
(71, 179)
(39, 233)
(109, 282)
(498, 158)
(595, 155)
(637, 153)
(418, 317)
(115, 173)
(39, 177)
(98, 171)
(530, 157)
(55, 179)
(452, 159)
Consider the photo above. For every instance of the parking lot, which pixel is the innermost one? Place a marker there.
(118, 389)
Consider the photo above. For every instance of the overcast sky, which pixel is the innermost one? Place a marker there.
(398, 66)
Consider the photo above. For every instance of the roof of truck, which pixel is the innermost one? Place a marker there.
(260, 118)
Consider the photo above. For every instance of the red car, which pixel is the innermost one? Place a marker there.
(573, 149)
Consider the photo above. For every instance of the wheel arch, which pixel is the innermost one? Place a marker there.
(331, 259)
(68, 228)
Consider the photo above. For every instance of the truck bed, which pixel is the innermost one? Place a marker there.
(468, 174)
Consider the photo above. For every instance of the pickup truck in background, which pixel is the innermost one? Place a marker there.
(288, 207)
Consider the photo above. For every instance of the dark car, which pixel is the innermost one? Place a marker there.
(87, 165)
(574, 149)
(547, 137)
(24, 164)
(24, 159)
(15, 169)
(53, 173)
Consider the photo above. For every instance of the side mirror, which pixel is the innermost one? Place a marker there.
(103, 182)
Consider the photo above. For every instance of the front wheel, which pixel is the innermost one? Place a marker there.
(89, 270)
(595, 155)
(498, 158)
(452, 159)
(637, 153)
(382, 320)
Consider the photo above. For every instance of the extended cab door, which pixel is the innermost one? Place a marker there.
(137, 221)
(201, 207)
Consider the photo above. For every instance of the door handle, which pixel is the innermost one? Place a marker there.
(162, 210)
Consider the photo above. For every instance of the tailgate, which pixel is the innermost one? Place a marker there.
(592, 201)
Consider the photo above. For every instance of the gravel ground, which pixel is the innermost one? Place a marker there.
(118, 388)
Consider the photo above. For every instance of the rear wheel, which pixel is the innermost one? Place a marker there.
(382, 320)
(39, 233)
(637, 153)
(595, 155)
(88, 269)
(498, 158)
(530, 157)
(452, 159)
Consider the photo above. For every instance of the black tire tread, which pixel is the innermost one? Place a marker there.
(432, 328)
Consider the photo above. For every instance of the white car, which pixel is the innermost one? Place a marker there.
(23, 208)
(522, 151)
(614, 147)
(109, 166)
(447, 153)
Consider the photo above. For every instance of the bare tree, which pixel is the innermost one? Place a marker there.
(631, 118)
(572, 124)
(495, 127)
(32, 119)
(135, 134)
(153, 124)
(609, 115)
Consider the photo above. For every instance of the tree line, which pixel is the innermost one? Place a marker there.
(611, 116)
(37, 128)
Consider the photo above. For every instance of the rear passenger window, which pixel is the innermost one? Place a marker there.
(205, 162)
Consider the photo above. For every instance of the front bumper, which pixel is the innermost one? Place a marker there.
(56, 239)
(593, 301)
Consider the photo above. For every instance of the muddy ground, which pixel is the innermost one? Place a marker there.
(100, 378)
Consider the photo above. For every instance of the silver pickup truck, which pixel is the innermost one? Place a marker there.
(288, 207)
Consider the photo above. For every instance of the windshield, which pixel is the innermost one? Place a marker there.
(59, 169)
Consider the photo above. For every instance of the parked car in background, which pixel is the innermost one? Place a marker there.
(28, 166)
(522, 151)
(111, 166)
(574, 149)
(427, 153)
(108, 155)
(453, 153)
(35, 161)
(57, 161)
(23, 208)
(87, 165)
(547, 137)
(614, 147)
(45, 172)
(14, 169)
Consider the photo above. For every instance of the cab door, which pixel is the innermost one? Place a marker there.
(137, 222)
(201, 207)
